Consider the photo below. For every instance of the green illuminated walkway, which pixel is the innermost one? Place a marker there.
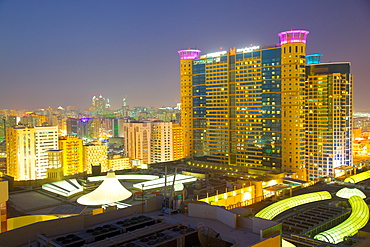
(358, 219)
(358, 177)
(276, 208)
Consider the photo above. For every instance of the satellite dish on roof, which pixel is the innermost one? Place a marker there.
(209, 237)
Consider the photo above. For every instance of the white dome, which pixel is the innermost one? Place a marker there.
(111, 190)
(348, 192)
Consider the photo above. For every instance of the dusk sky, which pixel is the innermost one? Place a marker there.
(62, 53)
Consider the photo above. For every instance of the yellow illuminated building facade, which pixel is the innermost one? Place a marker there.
(361, 148)
(246, 107)
(55, 169)
(186, 91)
(95, 154)
(293, 75)
(178, 143)
(118, 163)
(26, 148)
(72, 155)
(4, 197)
(21, 153)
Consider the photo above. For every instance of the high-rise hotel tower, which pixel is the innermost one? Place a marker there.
(248, 107)
(328, 116)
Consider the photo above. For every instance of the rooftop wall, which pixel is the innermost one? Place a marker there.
(71, 224)
(200, 210)
(4, 195)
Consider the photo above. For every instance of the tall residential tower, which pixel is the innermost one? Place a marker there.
(152, 142)
(329, 109)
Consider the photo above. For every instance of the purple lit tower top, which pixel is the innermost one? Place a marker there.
(189, 54)
(293, 36)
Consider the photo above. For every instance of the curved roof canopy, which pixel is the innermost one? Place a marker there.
(348, 192)
(111, 190)
(358, 219)
(358, 177)
(278, 207)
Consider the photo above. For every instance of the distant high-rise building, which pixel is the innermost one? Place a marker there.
(27, 147)
(71, 108)
(161, 142)
(137, 141)
(107, 104)
(178, 144)
(151, 142)
(94, 130)
(2, 127)
(100, 104)
(121, 132)
(72, 126)
(72, 155)
(84, 127)
(6, 122)
(115, 127)
(11, 121)
(89, 128)
(55, 120)
(124, 111)
(247, 107)
(33, 120)
(106, 127)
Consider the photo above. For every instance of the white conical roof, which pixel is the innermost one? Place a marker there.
(111, 190)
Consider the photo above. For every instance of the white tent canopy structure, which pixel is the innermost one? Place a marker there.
(110, 191)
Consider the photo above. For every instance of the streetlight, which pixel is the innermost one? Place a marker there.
(142, 198)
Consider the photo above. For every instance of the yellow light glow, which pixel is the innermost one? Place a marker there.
(272, 183)
(247, 196)
(287, 244)
(17, 222)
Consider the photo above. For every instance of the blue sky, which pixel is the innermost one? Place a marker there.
(64, 52)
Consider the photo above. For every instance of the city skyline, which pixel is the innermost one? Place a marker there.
(56, 53)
